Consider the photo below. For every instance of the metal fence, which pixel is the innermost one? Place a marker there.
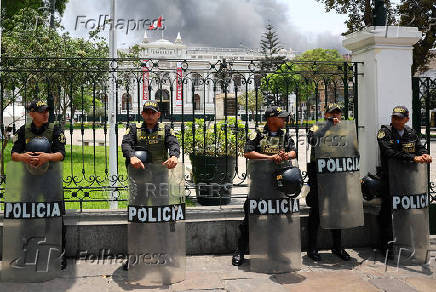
(424, 117)
(224, 98)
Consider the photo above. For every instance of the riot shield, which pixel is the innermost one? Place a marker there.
(274, 222)
(337, 169)
(410, 224)
(32, 228)
(156, 229)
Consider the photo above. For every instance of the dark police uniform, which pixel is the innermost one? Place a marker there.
(55, 135)
(161, 142)
(402, 147)
(53, 132)
(265, 142)
(312, 197)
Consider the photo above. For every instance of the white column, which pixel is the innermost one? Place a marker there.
(386, 82)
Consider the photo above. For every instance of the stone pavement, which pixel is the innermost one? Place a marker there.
(215, 273)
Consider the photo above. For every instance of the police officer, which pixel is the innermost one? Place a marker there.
(40, 127)
(154, 137)
(400, 142)
(271, 143)
(333, 115)
(157, 139)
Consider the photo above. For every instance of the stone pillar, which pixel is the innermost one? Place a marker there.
(386, 82)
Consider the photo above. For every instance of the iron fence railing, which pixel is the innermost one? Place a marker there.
(424, 118)
(211, 105)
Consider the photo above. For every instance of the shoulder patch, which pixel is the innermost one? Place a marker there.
(128, 131)
(172, 132)
(252, 135)
(62, 138)
(314, 128)
(381, 134)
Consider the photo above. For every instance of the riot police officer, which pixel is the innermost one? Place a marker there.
(400, 142)
(154, 137)
(40, 131)
(333, 115)
(39, 127)
(272, 143)
(156, 142)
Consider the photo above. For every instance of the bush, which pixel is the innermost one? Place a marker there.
(210, 137)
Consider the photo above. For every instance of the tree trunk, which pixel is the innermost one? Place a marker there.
(367, 14)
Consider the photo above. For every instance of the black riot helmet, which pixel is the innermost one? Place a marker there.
(289, 181)
(143, 155)
(38, 144)
(372, 187)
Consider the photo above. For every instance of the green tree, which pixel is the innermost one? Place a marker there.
(12, 7)
(270, 48)
(304, 73)
(422, 14)
(44, 74)
(419, 13)
(249, 99)
(360, 12)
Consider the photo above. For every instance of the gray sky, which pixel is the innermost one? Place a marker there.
(300, 24)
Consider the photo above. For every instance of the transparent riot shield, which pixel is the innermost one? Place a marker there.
(156, 229)
(274, 223)
(410, 223)
(32, 229)
(337, 169)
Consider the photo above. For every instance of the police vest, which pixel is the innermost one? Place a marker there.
(153, 142)
(47, 133)
(271, 145)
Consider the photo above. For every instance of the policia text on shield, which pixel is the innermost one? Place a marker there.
(269, 149)
(156, 211)
(404, 210)
(333, 171)
(33, 224)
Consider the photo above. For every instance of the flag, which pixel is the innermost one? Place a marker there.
(179, 80)
(156, 24)
(145, 81)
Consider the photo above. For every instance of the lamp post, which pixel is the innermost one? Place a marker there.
(379, 13)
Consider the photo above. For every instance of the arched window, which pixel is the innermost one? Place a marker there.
(196, 79)
(197, 102)
(164, 93)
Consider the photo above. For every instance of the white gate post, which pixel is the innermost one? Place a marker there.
(386, 82)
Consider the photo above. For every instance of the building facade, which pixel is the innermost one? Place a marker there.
(197, 95)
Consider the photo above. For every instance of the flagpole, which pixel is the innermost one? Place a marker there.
(113, 143)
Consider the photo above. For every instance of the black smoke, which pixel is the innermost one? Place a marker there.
(212, 23)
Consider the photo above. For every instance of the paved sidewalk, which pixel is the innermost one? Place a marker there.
(215, 273)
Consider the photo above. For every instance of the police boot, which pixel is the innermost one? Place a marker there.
(388, 253)
(63, 262)
(314, 255)
(340, 252)
(238, 258)
(126, 265)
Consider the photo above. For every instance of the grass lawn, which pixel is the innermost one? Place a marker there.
(85, 172)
